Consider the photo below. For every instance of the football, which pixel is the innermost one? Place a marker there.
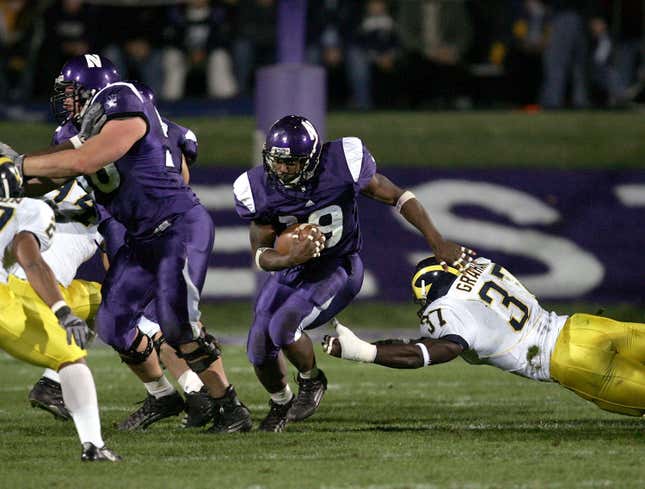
(294, 232)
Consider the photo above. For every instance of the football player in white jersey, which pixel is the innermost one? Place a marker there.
(45, 333)
(488, 317)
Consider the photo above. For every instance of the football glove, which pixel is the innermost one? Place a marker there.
(76, 328)
(92, 122)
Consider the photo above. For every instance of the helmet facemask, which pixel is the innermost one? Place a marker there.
(306, 166)
(69, 100)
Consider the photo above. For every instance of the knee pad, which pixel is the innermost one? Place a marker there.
(133, 357)
(207, 352)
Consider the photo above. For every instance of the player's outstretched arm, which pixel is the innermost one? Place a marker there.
(382, 189)
(113, 142)
(390, 353)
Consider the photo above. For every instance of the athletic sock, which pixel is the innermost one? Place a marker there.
(283, 396)
(52, 375)
(160, 387)
(79, 394)
(190, 382)
(310, 374)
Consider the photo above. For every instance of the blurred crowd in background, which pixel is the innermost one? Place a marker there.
(406, 54)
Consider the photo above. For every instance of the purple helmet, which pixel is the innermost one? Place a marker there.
(79, 79)
(292, 151)
(145, 91)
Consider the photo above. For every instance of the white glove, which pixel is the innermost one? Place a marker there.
(352, 347)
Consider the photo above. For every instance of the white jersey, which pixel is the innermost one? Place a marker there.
(17, 215)
(497, 321)
(74, 242)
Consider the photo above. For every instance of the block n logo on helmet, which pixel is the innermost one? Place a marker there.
(93, 61)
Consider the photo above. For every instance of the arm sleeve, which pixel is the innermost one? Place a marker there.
(121, 100)
(442, 322)
(244, 198)
(37, 217)
(360, 162)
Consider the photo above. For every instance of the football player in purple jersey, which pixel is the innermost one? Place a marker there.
(305, 181)
(46, 393)
(169, 233)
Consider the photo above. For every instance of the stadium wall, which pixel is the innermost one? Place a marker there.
(567, 235)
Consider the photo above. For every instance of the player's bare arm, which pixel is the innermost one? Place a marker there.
(380, 188)
(26, 250)
(267, 258)
(112, 143)
(185, 172)
(404, 354)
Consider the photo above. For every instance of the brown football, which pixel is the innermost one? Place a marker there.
(294, 232)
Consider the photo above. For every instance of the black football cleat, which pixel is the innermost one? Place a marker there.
(153, 410)
(229, 414)
(199, 409)
(92, 453)
(276, 419)
(47, 394)
(310, 393)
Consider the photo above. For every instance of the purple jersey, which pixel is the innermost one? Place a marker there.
(64, 132)
(142, 189)
(346, 167)
(181, 141)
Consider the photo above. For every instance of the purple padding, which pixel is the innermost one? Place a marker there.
(567, 235)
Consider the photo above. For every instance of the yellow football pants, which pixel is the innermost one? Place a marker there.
(29, 330)
(603, 361)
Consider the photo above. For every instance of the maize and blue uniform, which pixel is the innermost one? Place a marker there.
(499, 322)
(29, 329)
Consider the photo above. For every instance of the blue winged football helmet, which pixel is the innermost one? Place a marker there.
(430, 281)
(79, 79)
(292, 140)
(10, 179)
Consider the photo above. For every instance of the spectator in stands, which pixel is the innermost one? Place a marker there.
(566, 55)
(438, 36)
(604, 75)
(523, 62)
(198, 36)
(19, 36)
(69, 31)
(629, 25)
(329, 23)
(255, 35)
(133, 42)
(373, 52)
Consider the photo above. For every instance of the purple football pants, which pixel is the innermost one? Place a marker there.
(170, 268)
(301, 298)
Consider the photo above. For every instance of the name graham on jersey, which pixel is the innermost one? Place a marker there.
(468, 277)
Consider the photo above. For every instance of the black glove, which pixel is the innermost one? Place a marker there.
(92, 122)
(76, 328)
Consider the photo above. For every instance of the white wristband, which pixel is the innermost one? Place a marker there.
(405, 196)
(425, 353)
(258, 254)
(76, 142)
(56, 306)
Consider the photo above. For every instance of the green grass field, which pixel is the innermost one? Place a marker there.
(436, 139)
(449, 426)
